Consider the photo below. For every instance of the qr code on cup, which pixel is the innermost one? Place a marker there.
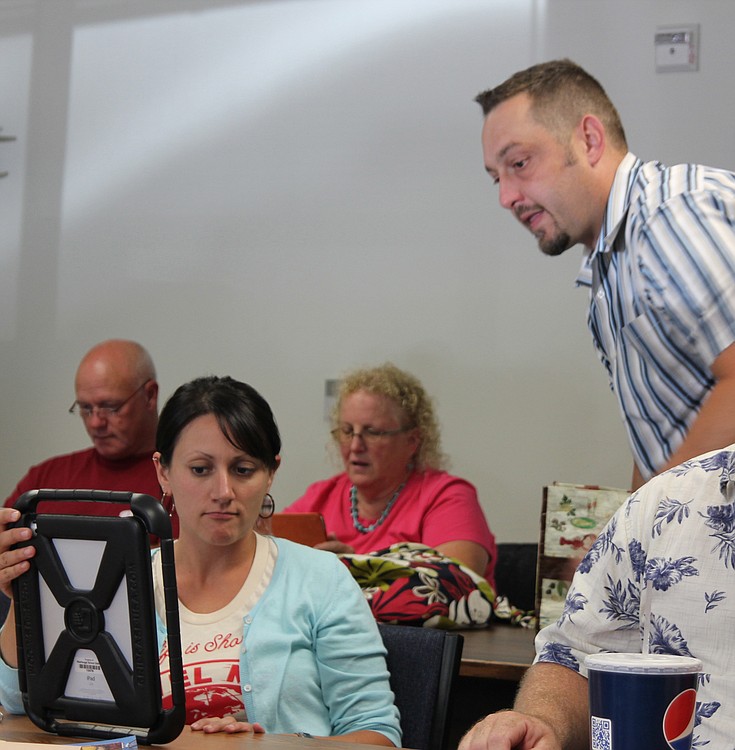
(601, 734)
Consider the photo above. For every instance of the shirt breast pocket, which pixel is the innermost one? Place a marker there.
(654, 352)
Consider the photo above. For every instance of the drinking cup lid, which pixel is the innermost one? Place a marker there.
(643, 663)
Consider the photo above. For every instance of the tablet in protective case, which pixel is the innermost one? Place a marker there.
(86, 622)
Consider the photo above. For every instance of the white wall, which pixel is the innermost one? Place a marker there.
(283, 189)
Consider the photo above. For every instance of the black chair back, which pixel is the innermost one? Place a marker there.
(424, 665)
(515, 573)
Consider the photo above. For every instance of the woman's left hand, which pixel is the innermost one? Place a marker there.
(230, 724)
(334, 545)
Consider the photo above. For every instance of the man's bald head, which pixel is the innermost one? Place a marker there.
(117, 396)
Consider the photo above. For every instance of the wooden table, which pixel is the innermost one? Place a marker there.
(21, 729)
(500, 652)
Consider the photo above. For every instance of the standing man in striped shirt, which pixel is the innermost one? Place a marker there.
(659, 254)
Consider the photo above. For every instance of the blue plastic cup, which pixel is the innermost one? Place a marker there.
(642, 701)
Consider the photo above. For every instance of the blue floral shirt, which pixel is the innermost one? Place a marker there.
(673, 541)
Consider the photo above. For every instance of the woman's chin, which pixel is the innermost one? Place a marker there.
(360, 477)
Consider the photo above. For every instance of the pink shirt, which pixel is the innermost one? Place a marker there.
(433, 508)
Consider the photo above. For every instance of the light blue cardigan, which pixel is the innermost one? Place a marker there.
(312, 659)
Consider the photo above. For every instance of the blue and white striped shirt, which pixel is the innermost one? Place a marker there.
(662, 296)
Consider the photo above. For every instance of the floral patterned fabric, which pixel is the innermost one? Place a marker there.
(670, 551)
(412, 584)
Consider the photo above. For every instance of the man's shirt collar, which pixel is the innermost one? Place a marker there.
(616, 211)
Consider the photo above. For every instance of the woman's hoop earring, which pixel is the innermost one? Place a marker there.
(172, 507)
(268, 507)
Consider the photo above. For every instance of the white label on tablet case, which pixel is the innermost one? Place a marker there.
(86, 679)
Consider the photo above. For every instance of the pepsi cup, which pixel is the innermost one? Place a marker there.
(642, 701)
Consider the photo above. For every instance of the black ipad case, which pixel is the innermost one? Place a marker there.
(86, 624)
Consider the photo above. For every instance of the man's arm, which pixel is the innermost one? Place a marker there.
(714, 426)
(550, 713)
(637, 480)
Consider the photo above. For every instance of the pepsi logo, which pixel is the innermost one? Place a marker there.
(678, 721)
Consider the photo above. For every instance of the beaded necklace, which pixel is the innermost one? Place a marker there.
(353, 508)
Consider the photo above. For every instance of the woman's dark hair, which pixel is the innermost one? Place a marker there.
(242, 413)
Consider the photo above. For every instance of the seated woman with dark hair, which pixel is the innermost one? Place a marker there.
(277, 635)
(394, 488)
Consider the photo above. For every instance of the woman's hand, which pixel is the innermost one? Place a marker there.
(230, 724)
(13, 562)
(334, 545)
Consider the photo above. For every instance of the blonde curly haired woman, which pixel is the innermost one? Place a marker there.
(394, 487)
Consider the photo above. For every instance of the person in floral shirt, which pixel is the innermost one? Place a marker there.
(669, 550)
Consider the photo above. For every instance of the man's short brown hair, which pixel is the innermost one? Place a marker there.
(561, 93)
